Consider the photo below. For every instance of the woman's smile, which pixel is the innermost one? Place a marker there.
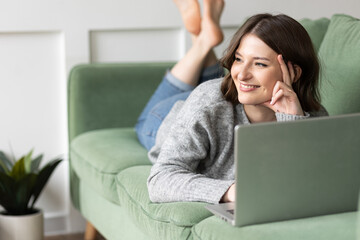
(248, 87)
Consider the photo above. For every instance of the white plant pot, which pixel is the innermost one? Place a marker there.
(29, 227)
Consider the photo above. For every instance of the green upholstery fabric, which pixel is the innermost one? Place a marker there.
(330, 227)
(99, 155)
(160, 221)
(110, 95)
(316, 29)
(109, 218)
(340, 57)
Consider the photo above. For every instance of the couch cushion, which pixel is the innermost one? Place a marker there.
(159, 221)
(330, 227)
(340, 57)
(98, 156)
(316, 29)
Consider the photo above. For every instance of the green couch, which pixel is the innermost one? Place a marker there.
(109, 168)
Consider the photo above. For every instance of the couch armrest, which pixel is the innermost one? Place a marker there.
(110, 95)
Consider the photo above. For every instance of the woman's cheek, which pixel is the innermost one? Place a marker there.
(232, 72)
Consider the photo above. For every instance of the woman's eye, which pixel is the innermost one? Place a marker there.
(261, 64)
(237, 59)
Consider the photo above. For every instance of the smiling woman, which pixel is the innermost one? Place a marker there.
(280, 37)
(188, 124)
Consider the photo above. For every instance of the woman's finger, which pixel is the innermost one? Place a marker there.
(284, 70)
(282, 90)
(287, 71)
(281, 85)
(279, 94)
(292, 73)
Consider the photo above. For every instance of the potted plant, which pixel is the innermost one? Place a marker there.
(21, 182)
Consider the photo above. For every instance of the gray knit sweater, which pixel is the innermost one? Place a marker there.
(194, 155)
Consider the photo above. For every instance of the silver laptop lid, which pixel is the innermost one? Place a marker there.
(297, 169)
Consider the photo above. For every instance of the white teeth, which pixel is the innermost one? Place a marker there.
(248, 86)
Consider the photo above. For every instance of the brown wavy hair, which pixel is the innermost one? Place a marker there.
(287, 37)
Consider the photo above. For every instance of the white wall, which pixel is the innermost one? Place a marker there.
(41, 40)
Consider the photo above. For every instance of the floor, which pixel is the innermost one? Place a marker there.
(78, 236)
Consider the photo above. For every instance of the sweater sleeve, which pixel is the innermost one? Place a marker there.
(281, 117)
(175, 175)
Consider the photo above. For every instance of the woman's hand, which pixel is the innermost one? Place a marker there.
(284, 99)
(229, 196)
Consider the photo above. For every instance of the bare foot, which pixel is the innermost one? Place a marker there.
(210, 24)
(190, 13)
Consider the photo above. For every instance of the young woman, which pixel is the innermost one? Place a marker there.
(273, 76)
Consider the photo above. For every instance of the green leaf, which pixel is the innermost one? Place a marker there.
(43, 177)
(5, 164)
(7, 193)
(27, 162)
(3, 168)
(36, 163)
(24, 191)
(18, 170)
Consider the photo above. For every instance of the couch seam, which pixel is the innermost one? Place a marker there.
(171, 221)
(193, 231)
(90, 165)
(83, 159)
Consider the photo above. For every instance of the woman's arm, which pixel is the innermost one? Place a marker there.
(229, 196)
(175, 175)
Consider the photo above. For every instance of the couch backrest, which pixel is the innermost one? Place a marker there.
(316, 29)
(110, 95)
(337, 41)
(339, 54)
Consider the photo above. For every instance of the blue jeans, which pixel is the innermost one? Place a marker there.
(166, 95)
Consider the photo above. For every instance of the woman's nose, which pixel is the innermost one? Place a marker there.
(244, 73)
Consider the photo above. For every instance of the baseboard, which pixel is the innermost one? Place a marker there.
(64, 223)
(54, 225)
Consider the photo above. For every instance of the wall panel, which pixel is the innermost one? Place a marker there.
(33, 104)
(32, 76)
(145, 45)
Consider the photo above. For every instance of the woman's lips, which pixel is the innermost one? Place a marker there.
(248, 87)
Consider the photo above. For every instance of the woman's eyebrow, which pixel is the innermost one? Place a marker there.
(255, 58)
(262, 58)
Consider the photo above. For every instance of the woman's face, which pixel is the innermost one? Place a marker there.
(255, 70)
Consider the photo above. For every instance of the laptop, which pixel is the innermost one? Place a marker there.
(296, 169)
